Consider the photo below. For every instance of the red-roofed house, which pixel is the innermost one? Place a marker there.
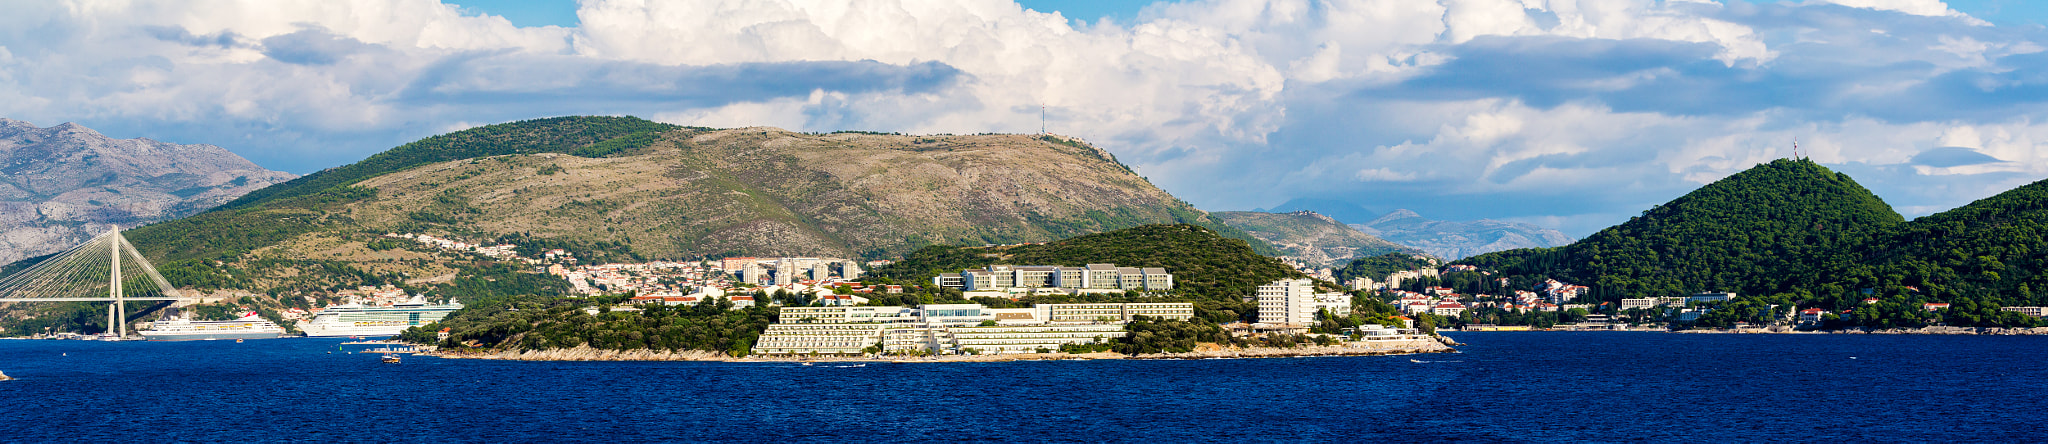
(1811, 315)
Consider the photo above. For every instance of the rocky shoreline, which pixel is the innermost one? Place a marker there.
(1931, 330)
(585, 353)
(1991, 331)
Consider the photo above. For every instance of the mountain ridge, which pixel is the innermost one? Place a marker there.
(621, 188)
(66, 183)
(1311, 237)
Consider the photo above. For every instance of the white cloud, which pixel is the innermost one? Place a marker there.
(1935, 8)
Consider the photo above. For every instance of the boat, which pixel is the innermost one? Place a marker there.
(183, 328)
(390, 359)
(354, 319)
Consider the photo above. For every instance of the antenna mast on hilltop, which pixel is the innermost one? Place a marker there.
(1795, 148)
(1041, 118)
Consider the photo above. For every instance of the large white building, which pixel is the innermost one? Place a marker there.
(954, 328)
(1294, 303)
(786, 270)
(1094, 278)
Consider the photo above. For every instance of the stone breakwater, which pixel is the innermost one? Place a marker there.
(1348, 349)
(585, 353)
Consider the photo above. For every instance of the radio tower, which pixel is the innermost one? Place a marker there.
(1795, 148)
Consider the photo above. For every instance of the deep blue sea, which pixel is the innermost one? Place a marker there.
(1519, 387)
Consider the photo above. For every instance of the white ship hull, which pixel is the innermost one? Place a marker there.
(358, 320)
(182, 336)
(324, 331)
(248, 327)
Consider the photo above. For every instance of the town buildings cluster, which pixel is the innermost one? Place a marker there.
(500, 251)
(954, 328)
(735, 279)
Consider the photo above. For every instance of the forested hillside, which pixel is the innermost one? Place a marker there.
(1378, 267)
(1793, 234)
(1771, 229)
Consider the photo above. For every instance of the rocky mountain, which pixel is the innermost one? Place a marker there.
(1456, 240)
(620, 188)
(64, 184)
(1311, 237)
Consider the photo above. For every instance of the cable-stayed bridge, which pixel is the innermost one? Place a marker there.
(92, 272)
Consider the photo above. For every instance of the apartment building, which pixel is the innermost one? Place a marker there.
(1294, 302)
(1098, 277)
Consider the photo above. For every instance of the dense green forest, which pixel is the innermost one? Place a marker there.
(1770, 229)
(539, 323)
(1205, 265)
(1378, 267)
(1790, 233)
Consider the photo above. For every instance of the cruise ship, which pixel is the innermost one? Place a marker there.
(249, 326)
(355, 319)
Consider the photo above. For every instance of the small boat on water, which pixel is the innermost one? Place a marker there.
(390, 359)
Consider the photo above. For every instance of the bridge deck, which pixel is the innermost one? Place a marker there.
(88, 299)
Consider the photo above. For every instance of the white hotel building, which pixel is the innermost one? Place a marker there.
(954, 328)
(1293, 303)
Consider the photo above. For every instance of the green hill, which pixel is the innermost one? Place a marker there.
(1204, 264)
(1988, 254)
(1770, 229)
(1378, 267)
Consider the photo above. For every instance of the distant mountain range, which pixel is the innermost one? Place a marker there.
(1311, 237)
(1456, 240)
(61, 185)
(1444, 239)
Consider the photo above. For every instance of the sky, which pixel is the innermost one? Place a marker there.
(1571, 114)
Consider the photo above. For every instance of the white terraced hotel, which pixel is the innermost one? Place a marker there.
(954, 328)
